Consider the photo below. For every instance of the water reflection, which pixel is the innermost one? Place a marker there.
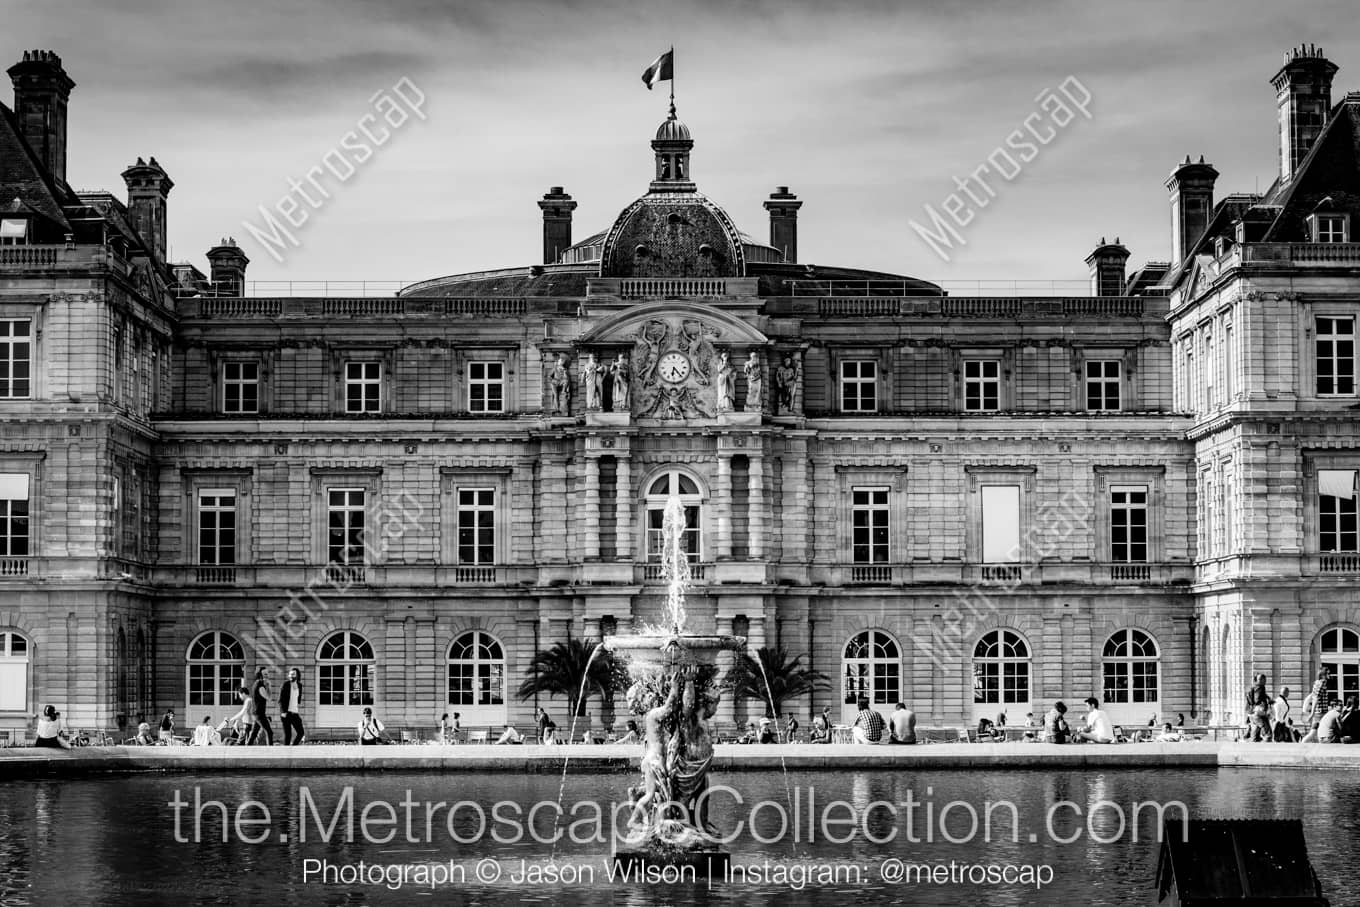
(113, 840)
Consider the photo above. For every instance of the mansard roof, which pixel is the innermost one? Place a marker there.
(23, 177)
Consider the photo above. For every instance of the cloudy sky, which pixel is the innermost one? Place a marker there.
(867, 110)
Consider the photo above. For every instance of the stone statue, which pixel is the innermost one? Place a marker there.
(657, 724)
(621, 375)
(785, 384)
(559, 382)
(727, 383)
(691, 753)
(755, 383)
(592, 378)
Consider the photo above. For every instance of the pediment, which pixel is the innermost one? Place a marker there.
(721, 327)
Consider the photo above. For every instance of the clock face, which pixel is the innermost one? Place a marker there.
(674, 367)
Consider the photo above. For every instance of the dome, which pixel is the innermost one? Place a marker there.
(672, 131)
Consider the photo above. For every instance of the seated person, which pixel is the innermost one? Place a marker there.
(1329, 728)
(633, 735)
(52, 730)
(868, 726)
(902, 725)
(144, 737)
(510, 736)
(1031, 721)
(1055, 724)
(820, 732)
(1350, 721)
(370, 730)
(1168, 734)
(750, 736)
(987, 732)
(205, 735)
(1097, 728)
(767, 731)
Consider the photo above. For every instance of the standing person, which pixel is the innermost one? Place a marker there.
(546, 727)
(370, 729)
(239, 724)
(1097, 728)
(1258, 709)
(167, 734)
(1281, 732)
(259, 707)
(902, 725)
(790, 728)
(1315, 703)
(868, 727)
(290, 708)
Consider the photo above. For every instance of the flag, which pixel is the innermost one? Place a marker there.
(660, 70)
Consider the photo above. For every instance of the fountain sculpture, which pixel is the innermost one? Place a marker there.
(675, 692)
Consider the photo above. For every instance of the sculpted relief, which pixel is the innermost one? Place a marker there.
(677, 370)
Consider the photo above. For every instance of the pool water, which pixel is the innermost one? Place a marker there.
(807, 837)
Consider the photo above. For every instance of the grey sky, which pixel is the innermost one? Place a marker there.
(867, 110)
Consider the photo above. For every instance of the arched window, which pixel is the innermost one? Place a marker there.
(1130, 668)
(1339, 653)
(216, 670)
(658, 493)
(14, 659)
(1001, 666)
(344, 678)
(872, 669)
(476, 671)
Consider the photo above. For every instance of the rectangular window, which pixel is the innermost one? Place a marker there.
(476, 526)
(486, 387)
(16, 359)
(217, 526)
(869, 525)
(981, 385)
(859, 386)
(1337, 510)
(1331, 228)
(345, 522)
(1102, 384)
(345, 684)
(1000, 524)
(1335, 356)
(363, 387)
(14, 536)
(690, 538)
(240, 387)
(1129, 524)
(13, 231)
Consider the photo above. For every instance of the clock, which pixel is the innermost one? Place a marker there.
(673, 367)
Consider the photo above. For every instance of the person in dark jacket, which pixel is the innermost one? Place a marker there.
(259, 707)
(290, 708)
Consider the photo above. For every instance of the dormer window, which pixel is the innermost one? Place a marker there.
(13, 231)
(1330, 228)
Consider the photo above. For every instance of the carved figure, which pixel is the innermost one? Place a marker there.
(621, 373)
(755, 383)
(785, 383)
(592, 378)
(559, 382)
(727, 383)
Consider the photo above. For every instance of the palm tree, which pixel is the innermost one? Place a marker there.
(560, 670)
(788, 679)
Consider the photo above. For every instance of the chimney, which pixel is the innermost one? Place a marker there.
(148, 187)
(557, 207)
(1107, 268)
(1303, 92)
(783, 207)
(41, 90)
(227, 268)
(1192, 198)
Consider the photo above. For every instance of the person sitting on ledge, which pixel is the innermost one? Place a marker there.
(1168, 734)
(370, 730)
(902, 725)
(1350, 721)
(52, 730)
(1097, 728)
(820, 731)
(633, 735)
(205, 735)
(510, 736)
(868, 727)
(143, 737)
(1055, 724)
(988, 732)
(1328, 728)
(767, 731)
(750, 736)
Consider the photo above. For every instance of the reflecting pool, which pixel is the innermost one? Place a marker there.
(808, 837)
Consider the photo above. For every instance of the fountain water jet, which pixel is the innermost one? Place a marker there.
(675, 692)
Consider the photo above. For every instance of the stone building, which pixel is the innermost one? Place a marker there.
(975, 505)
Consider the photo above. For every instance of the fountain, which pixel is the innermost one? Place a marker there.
(674, 691)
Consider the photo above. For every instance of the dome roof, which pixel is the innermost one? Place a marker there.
(672, 130)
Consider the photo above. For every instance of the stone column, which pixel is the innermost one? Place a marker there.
(756, 507)
(623, 509)
(722, 509)
(726, 715)
(591, 523)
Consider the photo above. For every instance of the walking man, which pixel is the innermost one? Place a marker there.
(290, 708)
(259, 704)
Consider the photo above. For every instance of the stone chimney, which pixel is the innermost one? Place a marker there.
(783, 207)
(227, 269)
(1303, 92)
(557, 207)
(41, 90)
(1192, 199)
(148, 188)
(1107, 262)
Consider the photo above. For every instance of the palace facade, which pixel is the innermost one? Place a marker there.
(974, 505)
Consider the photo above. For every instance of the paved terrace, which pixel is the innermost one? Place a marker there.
(29, 762)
